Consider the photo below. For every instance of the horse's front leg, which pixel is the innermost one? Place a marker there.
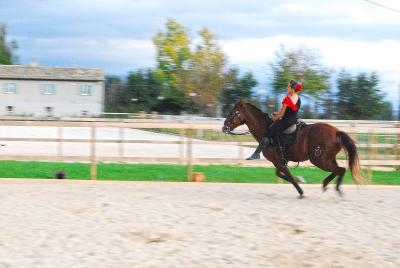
(284, 173)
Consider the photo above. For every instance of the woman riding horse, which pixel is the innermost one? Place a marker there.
(319, 142)
(283, 119)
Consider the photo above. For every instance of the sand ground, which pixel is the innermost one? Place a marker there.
(47, 223)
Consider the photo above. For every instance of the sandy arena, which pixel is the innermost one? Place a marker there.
(139, 224)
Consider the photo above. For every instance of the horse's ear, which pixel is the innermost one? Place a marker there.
(241, 102)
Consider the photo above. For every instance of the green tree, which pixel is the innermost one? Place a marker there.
(359, 97)
(172, 101)
(328, 102)
(193, 77)
(302, 65)
(173, 54)
(236, 87)
(144, 88)
(7, 49)
(208, 63)
(114, 89)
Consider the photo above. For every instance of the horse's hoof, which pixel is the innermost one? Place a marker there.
(301, 196)
(339, 192)
(324, 188)
(253, 157)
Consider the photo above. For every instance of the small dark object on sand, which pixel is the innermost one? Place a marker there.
(59, 175)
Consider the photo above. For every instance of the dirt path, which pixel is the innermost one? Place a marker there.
(136, 224)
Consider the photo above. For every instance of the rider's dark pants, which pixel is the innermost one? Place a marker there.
(277, 127)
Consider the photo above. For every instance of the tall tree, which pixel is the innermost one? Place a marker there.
(173, 54)
(194, 77)
(7, 48)
(236, 87)
(207, 72)
(359, 97)
(328, 101)
(302, 65)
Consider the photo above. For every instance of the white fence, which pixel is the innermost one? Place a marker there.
(183, 148)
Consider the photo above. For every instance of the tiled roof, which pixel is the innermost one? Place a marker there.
(50, 73)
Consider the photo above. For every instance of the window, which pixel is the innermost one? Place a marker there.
(11, 88)
(10, 109)
(48, 89)
(85, 90)
(49, 110)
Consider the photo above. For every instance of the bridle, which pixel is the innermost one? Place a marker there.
(242, 122)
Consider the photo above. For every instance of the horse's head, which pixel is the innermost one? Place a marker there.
(235, 118)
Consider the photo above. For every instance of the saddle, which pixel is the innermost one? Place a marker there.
(289, 135)
(286, 138)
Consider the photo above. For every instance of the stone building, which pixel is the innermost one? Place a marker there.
(51, 91)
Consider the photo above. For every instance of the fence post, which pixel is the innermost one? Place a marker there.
(398, 146)
(121, 132)
(93, 167)
(189, 168)
(370, 151)
(181, 146)
(59, 142)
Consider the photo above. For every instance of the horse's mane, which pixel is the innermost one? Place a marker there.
(256, 108)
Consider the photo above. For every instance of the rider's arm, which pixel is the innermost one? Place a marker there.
(281, 112)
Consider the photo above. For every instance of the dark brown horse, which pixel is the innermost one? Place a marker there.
(319, 143)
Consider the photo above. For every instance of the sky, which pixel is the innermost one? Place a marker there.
(116, 35)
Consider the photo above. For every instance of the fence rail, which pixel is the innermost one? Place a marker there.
(389, 130)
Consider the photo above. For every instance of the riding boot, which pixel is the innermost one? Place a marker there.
(281, 152)
(263, 143)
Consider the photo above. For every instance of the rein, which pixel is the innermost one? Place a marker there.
(242, 122)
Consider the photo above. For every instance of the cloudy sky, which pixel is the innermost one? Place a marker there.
(117, 34)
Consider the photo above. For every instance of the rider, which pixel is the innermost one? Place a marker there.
(283, 119)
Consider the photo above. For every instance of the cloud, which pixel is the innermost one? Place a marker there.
(115, 55)
(336, 52)
(230, 19)
(357, 56)
(117, 34)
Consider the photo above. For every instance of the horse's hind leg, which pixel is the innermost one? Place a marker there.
(336, 171)
(284, 173)
(327, 180)
(340, 171)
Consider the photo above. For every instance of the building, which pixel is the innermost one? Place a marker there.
(51, 91)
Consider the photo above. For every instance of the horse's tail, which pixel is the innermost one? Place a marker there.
(350, 148)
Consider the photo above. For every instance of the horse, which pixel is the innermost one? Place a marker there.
(319, 143)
